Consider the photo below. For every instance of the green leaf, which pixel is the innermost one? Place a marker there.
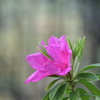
(97, 98)
(75, 95)
(78, 49)
(91, 87)
(54, 90)
(65, 98)
(44, 53)
(91, 95)
(83, 97)
(43, 48)
(60, 92)
(74, 49)
(46, 97)
(51, 84)
(69, 42)
(87, 76)
(68, 90)
(90, 67)
(98, 74)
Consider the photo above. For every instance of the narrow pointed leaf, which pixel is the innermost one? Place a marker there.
(68, 91)
(65, 98)
(69, 42)
(75, 95)
(46, 97)
(88, 76)
(54, 90)
(44, 53)
(91, 95)
(90, 67)
(51, 84)
(43, 48)
(98, 74)
(79, 46)
(83, 97)
(79, 50)
(60, 92)
(91, 87)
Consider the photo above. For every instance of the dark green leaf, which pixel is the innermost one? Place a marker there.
(75, 95)
(60, 92)
(90, 67)
(68, 91)
(54, 90)
(46, 97)
(91, 95)
(91, 87)
(51, 84)
(98, 74)
(88, 77)
(65, 98)
(82, 96)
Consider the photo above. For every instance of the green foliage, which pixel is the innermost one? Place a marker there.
(54, 90)
(46, 97)
(77, 49)
(60, 93)
(69, 42)
(82, 96)
(98, 74)
(89, 67)
(66, 98)
(91, 87)
(93, 96)
(66, 90)
(51, 84)
(43, 51)
(87, 77)
(74, 95)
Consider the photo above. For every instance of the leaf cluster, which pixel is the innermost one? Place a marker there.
(63, 90)
(42, 49)
(66, 90)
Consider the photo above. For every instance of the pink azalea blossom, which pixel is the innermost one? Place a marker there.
(59, 64)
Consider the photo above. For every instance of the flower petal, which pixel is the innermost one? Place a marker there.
(64, 45)
(37, 60)
(53, 40)
(36, 76)
(43, 43)
(52, 68)
(63, 38)
(54, 53)
(65, 70)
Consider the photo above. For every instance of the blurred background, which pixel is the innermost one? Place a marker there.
(25, 22)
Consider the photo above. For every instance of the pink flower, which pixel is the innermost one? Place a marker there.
(59, 64)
